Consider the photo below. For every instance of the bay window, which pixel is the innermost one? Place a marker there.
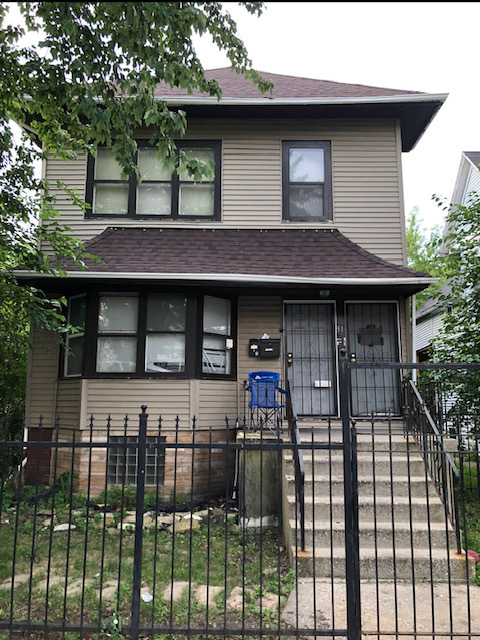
(150, 334)
(160, 193)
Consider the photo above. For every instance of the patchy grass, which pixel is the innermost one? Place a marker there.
(86, 573)
(470, 501)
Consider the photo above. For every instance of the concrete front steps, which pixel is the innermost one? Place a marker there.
(404, 532)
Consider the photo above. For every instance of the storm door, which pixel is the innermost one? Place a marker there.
(372, 336)
(311, 369)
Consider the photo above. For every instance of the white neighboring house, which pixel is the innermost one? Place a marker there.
(429, 317)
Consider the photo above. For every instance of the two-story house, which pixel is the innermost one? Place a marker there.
(299, 236)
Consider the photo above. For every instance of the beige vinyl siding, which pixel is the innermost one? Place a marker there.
(258, 315)
(69, 397)
(217, 400)
(366, 173)
(42, 382)
(119, 398)
(74, 174)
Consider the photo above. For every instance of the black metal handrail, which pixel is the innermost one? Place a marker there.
(438, 461)
(299, 466)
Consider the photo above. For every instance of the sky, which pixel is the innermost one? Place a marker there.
(431, 47)
(417, 46)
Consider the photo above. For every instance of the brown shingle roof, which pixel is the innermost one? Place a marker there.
(235, 86)
(289, 253)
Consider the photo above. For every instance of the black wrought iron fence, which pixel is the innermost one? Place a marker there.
(144, 528)
(439, 462)
(150, 528)
(299, 466)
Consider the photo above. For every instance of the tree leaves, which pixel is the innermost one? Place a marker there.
(459, 339)
(77, 75)
(422, 254)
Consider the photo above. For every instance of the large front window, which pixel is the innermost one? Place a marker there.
(160, 334)
(307, 181)
(160, 193)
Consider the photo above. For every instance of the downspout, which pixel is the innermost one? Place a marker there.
(414, 331)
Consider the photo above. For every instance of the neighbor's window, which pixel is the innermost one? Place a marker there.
(159, 193)
(75, 342)
(117, 334)
(307, 181)
(217, 341)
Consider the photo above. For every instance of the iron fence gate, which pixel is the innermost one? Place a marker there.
(337, 528)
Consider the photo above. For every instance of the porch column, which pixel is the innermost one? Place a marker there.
(259, 483)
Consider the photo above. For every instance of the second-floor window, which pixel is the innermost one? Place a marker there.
(307, 181)
(160, 193)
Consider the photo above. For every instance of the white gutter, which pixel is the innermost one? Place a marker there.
(229, 277)
(423, 97)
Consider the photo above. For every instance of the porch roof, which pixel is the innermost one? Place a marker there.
(283, 256)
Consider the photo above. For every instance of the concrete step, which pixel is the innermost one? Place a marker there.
(385, 464)
(404, 508)
(427, 565)
(325, 485)
(365, 442)
(392, 487)
(324, 534)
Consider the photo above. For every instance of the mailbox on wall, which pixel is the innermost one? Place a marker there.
(264, 348)
(269, 348)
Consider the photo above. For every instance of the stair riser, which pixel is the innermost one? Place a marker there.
(384, 466)
(324, 538)
(380, 512)
(364, 444)
(423, 570)
(322, 488)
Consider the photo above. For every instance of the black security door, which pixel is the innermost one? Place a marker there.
(311, 366)
(372, 336)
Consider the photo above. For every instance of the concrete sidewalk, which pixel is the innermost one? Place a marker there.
(389, 609)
